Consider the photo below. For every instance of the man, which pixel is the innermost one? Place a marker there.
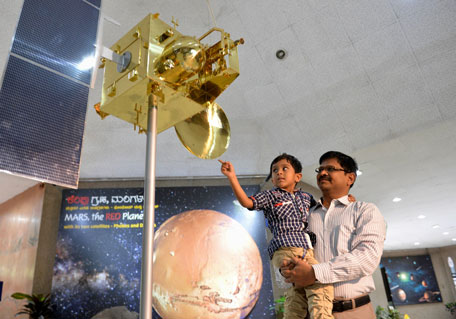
(350, 240)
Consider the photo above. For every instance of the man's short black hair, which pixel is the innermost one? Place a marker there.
(295, 163)
(348, 163)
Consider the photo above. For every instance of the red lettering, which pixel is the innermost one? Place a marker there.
(84, 200)
(112, 216)
(70, 200)
(78, 200)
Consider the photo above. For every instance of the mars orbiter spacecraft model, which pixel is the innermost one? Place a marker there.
(156, 78)
(184, 75)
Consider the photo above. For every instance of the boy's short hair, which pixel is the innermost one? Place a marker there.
(295, 163)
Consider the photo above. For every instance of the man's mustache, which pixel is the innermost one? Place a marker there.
(322, 178)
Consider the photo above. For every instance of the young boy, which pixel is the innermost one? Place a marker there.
(286, 209)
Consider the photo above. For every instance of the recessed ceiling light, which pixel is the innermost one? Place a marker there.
(397, 199)
(358, 172)
(446, 233)
(436, 226)
(416, 243)
(280, 54)
(421, 216)
(453, 239)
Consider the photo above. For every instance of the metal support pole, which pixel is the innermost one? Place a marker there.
(149, 211)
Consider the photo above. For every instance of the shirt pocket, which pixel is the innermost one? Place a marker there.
(342, 237)
(283, 209)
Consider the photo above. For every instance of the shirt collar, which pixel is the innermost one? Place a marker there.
(343, 200)
(284, 191)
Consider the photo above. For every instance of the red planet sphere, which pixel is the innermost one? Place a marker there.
(205, 265)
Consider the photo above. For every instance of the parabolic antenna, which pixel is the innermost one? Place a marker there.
(206, 134)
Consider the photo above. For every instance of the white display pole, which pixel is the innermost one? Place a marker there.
(149, 211)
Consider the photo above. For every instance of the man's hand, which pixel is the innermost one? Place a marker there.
(298, 271)
(227, 169)
(287, 264)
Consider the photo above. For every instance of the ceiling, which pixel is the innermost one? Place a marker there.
(374, 79)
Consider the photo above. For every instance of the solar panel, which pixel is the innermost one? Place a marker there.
(96, 3)
(58, 34)
(44, 94)
(42, 119)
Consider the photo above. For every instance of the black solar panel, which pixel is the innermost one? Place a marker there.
(58, 34)
(42, 119)
(95, 2)
(44, 94)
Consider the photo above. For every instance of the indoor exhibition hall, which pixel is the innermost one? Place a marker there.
(228, 159)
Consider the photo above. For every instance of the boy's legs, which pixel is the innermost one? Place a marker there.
(319, 296)
(295, 305)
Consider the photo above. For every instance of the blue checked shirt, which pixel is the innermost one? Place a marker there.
(287, 216)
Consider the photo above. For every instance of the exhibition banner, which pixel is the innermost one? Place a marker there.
(99, 245)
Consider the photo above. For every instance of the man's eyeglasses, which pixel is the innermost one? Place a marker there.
(330, 169)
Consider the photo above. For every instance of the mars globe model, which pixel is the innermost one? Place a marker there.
(205, 265)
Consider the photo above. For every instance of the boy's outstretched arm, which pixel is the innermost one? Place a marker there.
(227, 169)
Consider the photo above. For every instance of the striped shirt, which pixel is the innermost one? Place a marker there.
(287, 216)
(349, 245)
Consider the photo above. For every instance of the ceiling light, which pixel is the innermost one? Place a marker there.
(416, 243)
(280, 54)
(397, 199)
(436, 226)
(358, 172)
(453, 239)
(421, 216)
(446, 233)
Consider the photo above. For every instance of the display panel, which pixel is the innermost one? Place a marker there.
(98, 263)
(411, 280)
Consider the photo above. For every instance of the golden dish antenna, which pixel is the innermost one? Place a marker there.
(206, 134)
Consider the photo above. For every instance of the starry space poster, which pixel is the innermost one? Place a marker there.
(99, 245)
(411, 280)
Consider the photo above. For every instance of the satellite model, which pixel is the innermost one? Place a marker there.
(184, 75)
(156, 78)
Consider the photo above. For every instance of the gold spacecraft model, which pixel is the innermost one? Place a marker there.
(184, 74)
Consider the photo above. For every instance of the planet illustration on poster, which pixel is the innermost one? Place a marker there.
(401, 295)
(205, 265)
